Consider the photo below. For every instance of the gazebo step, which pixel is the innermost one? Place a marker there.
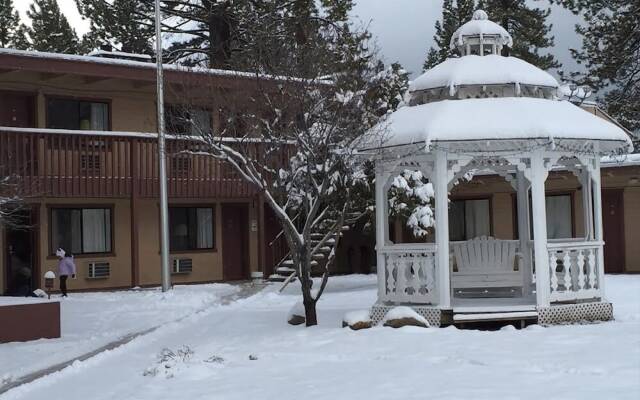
(499, 316)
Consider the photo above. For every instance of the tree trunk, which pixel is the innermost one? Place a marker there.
(304, 268)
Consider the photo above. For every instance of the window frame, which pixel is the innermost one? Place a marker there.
(110, 207)
(214, 236)
(106, 101)
(474, 197)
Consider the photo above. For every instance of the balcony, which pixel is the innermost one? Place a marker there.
(70, 163)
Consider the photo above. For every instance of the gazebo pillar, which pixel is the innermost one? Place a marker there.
(524, 231)
(597, 222)
(537, 176)
(382, 226)
(441, 190)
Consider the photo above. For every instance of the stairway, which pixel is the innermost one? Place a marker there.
(286, 268)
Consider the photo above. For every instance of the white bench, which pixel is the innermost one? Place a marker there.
(486, 262)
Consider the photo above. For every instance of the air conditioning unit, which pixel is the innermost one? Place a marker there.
(98, 270)
(182, 265)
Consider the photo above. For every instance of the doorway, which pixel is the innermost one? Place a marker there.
(613, 230)
(21, 272)
(235, 241)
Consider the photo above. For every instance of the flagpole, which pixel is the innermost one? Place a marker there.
(162, 156)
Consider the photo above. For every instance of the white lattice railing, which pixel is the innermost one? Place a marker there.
(410, 274)
(574, 270)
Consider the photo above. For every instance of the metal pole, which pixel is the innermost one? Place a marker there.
(164, 207)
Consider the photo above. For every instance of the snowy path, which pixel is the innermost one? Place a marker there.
(91, 321)
(599, 361)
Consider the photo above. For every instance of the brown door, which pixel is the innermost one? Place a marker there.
(20, 254)
(613, 230)
(235, 241)
(17, 109)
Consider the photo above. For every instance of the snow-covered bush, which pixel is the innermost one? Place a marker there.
(411, 198)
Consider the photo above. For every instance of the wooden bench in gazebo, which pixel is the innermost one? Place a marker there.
(486, 262)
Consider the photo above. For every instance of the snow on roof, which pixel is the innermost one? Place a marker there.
(480, 26)
(479, 70)
(146, 65)
(625, 160)
(114, 53)
(497, 119)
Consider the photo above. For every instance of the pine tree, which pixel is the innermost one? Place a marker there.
(50, 30)
(20, 40)
(528, 28)
(454, 14)
(611, 55)
(126, 25)
(12, 32)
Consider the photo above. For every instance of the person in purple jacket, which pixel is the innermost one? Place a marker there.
(66, 267)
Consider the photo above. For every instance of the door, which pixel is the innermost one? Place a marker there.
(235, 241)
(613, 230)
(20, 257)
(18, 109)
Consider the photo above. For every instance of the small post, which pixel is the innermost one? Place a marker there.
(49, 277)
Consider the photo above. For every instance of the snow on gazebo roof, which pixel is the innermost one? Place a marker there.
(480, 26)
(483, 70)
(505, 118)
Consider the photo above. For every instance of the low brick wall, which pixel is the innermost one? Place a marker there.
(32, 321)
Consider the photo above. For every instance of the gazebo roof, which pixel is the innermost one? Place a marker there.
(505, 118)
(483, 70)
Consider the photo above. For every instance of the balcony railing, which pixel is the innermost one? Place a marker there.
(410, 274)
(62, 163)
(574, 270)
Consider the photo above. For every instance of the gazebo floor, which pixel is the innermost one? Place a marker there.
(497, 304)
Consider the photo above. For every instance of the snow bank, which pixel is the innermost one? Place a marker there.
(483, 70)
(498, 118)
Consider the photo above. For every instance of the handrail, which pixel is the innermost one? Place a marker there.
(582, 244)
(409, 247)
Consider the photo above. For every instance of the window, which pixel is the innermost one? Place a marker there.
(559, 223)
(469, 219)
(559, 216)
(191, 228)
(181, 120)
(81, 230)
(77, 114)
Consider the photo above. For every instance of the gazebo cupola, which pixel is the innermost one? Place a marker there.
(480, 36)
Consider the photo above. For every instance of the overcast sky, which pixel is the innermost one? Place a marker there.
(403, 28)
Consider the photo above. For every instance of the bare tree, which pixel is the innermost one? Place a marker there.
(10, 202)
(290, 130)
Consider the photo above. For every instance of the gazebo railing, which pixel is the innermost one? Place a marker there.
(574, 270)
(410, 274)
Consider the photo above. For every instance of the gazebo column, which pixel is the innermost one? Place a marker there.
(382, 228)
(523, 231)
(538, 175)
(442, 229)
(597, 222)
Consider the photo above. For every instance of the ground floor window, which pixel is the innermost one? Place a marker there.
(469, 219)
(191, 228)
(81, 230)
(559, 216)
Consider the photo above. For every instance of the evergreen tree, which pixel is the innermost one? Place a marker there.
(20, 40)
(50, 30)
(611, 55)
(126, 25)
(12, 32)
(528, 28)
(454, 14)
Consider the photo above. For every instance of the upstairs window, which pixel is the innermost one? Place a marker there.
(77, 114)
(188, 121)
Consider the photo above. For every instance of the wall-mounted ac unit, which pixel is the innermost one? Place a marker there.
(98, 270)
(182, 266)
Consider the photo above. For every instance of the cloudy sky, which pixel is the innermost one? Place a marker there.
(403, 28)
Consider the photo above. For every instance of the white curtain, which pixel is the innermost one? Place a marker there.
(477, 218)
(558, 216)
(96, 230)
(99, 117)
(205, 228)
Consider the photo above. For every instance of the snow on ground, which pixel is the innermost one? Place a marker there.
(92, 320)
(246, 350)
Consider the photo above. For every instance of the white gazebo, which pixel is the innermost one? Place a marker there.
(484, 113)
